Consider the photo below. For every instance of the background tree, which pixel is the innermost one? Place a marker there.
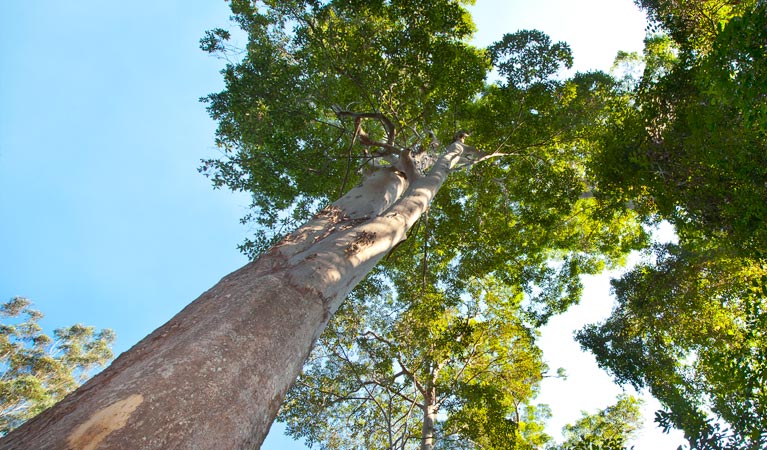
(669, 153)
(420, 369)
(694, 26)
(37, 370)
(607, 429)
(692, 330)
(691, 150)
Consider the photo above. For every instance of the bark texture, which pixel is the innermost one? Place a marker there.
(430, 408)
(213, 377)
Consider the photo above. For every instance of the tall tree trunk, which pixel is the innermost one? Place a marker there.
(430, 407)
(214, 376)
(429, 418)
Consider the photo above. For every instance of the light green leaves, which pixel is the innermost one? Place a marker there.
(380, 364)
(607, 429)
(37, 371)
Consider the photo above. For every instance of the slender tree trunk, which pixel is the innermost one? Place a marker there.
(429, 418)
(430, 408)
(214, 376)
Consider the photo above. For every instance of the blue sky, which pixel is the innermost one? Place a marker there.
(104, 219)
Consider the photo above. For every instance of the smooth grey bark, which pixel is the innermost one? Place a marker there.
(213, 377)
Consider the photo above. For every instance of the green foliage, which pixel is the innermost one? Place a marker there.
(692, 329)
(280, 137)
(694, 148)
(283, 142)
(37, 370)
(607, 429)
(532, 425)
(694, 25)
(534, 206)
(385, 358)
(528, 57)
(452, 309)
(691, 148)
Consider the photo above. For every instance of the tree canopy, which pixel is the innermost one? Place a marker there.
(610, 428)
(327, 93)
(463, 362)
(326, 90)
(691, 149)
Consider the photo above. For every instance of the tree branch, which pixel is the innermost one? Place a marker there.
(357, 130)
(402, 365)
(362, 383)
(391, 131)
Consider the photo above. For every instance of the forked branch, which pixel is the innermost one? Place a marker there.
(391, 132)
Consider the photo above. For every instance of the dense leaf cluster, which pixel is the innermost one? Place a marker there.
(693, 330)
(398, 347)
(281, 138)
(607, 429)
(694, 147)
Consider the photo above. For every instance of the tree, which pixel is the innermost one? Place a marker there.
(37, 370)
(691, 329)
(424, 369)
(327, 90)
(694, 26)
(688, 323)
(607, 429)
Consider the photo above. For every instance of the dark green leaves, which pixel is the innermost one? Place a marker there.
(691, 150)
(213, 41)
(280, 137)
(695, 148)
(528, 57)
(692, 25)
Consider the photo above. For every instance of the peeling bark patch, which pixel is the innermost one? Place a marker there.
(288, 239)
(340, 222)
(332, 213)
(363, 239)
(88, 436)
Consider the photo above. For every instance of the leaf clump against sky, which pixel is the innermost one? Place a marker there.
(37, 370)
